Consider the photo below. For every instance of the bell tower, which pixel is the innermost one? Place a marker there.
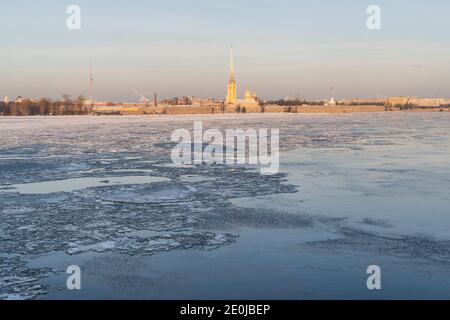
(232, 91)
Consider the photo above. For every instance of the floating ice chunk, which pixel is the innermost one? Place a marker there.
(14, 211)
(14, 281)
(28, 228)
(145, 233)
(97, 247)
(11, 297)
(218, 239)
(70, 185)
(194, 178)
(152, 195)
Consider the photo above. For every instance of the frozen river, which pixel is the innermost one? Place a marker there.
(353, 190)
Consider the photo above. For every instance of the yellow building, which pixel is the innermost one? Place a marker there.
(394, 101)
(417, 102)
(250, 98)
(428, 103)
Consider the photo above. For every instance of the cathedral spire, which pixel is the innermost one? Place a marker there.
(231, 93)
(232, 63)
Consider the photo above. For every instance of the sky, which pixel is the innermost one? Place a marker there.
(315, 49)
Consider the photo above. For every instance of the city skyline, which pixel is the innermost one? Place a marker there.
(178, 49)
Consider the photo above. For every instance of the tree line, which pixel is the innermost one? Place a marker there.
(45, 107)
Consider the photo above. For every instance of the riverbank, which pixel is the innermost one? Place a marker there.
(192, 110)
(215, 110)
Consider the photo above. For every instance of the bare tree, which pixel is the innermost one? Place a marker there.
(44, 106)
(79, 104)
(68, 105)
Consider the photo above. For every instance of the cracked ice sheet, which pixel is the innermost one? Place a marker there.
(83, 210)
(180, 214)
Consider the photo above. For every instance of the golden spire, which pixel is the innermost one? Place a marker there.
(232, 63)
(231, 92)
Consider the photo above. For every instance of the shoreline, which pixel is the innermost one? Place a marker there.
(212, 111)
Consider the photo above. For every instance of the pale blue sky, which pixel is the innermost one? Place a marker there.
(179, 47)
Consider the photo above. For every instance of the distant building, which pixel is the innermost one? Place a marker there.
(331, 103)
(357, 101)
(427, 103)
(196, 101)
(184, 101)
(418, 102)
(6, 99)
(89, 102)
(401, 101)
(291, 98)
(250, 97)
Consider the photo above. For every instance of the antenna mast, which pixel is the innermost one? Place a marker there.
(91, 84)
